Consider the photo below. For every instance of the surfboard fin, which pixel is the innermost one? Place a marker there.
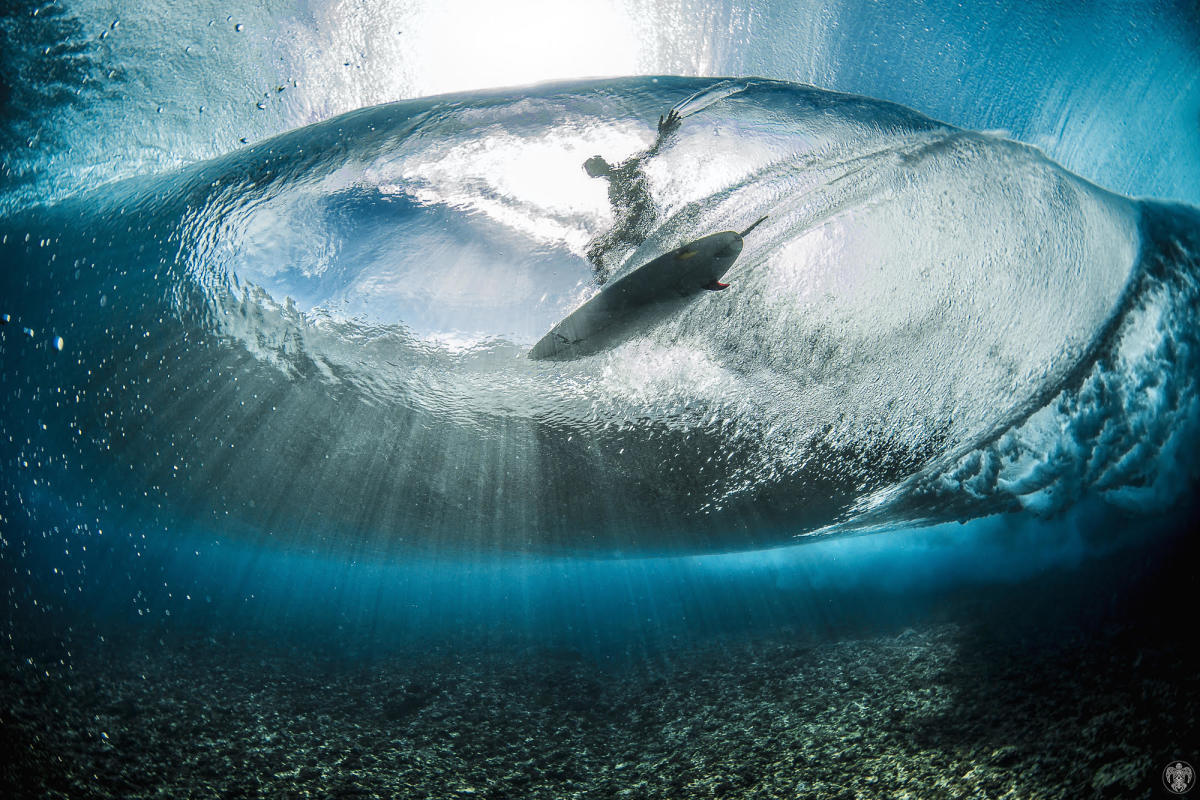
(715, 285)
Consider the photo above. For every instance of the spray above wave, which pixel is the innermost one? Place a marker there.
(323, 337)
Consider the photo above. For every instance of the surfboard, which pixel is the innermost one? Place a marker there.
(672, 278)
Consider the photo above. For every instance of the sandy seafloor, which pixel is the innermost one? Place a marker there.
(1079, 682)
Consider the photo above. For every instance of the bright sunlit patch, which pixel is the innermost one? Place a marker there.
(535, 186)
(468, 44)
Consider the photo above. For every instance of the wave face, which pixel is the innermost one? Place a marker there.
(321, 338)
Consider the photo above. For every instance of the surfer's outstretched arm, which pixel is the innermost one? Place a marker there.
(666, 126)
(669, 123)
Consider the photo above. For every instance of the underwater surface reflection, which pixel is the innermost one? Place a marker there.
(905, 511)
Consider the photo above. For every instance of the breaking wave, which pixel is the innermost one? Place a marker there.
(321, 338)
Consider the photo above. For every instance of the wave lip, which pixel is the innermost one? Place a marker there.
(327, 329)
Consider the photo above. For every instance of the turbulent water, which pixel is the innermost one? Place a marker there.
(323, 336)
(287, 510)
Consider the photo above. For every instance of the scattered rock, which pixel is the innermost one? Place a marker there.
(939, 711)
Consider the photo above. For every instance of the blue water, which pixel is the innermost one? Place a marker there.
(268, 295)
(323, 337)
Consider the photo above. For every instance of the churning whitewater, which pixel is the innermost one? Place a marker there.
(324, 336)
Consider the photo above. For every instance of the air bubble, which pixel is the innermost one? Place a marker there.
(58, 343)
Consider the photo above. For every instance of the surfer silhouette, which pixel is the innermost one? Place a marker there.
(629, 193)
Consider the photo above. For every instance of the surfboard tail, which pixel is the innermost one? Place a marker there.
(756, 223)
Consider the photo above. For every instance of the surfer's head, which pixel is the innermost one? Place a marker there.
(597, 167)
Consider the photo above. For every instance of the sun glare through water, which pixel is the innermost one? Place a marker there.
(469, 44)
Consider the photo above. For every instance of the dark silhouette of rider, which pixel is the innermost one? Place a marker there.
(632, 204)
